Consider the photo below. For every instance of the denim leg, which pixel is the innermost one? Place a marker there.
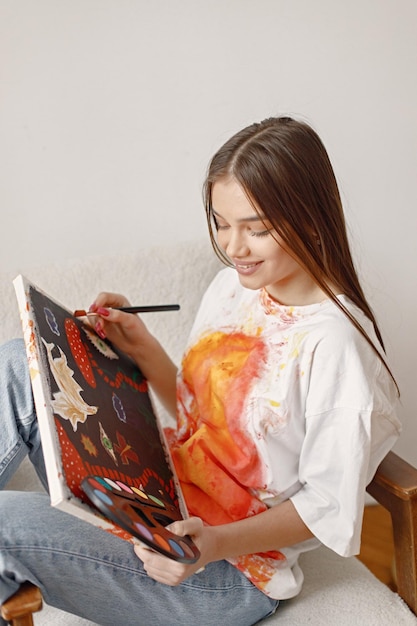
(18, 423)
(89, 572)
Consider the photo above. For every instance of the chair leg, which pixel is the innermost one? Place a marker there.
(19, 608)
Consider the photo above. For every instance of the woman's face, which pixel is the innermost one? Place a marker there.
(256, 249)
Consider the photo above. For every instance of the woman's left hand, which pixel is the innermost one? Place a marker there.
(168, 571)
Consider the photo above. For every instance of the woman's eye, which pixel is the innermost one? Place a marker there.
(260, 233)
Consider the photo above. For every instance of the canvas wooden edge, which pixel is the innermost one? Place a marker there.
(181, 500)
(76, 508)
(58, 489)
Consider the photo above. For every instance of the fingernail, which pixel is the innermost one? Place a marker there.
(102, 311)
(93, 308)
(100, 332)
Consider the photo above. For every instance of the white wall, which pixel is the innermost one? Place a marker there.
(110, 110)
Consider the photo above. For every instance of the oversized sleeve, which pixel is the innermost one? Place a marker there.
(350, 425)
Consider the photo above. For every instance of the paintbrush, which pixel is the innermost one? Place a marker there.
(132, 309)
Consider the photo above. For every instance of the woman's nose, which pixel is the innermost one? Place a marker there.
(236, 244)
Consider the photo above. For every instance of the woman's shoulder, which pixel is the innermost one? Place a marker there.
(334, 324)
(345, 369)
(338, 346)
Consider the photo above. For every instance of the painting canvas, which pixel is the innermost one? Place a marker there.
(105, 453)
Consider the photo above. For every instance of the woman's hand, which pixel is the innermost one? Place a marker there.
(168, 571)
(128, 333)
(272, 529)
(125, 330)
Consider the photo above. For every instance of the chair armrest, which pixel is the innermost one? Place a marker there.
(395, 487)
(19, 608)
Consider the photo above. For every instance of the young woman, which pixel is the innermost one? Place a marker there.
(284, 401)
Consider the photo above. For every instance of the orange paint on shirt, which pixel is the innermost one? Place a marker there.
(259, 568)
(216, 459)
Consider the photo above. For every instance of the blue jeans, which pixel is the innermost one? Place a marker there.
(80, 568)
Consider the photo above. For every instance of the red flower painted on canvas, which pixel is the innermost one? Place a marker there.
(125, 450)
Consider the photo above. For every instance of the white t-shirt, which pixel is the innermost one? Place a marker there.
(275, 403)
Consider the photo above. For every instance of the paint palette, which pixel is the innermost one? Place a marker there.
(142, 514)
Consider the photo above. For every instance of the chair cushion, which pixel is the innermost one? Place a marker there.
(336, 592)
(341, 592)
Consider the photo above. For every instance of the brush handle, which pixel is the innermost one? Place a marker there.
(148, 309)
(133, 309)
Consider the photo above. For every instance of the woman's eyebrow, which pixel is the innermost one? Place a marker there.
(251, 218)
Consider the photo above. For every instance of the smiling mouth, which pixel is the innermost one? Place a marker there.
(247, 268)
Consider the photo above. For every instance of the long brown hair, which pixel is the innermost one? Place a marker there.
(284, 169)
